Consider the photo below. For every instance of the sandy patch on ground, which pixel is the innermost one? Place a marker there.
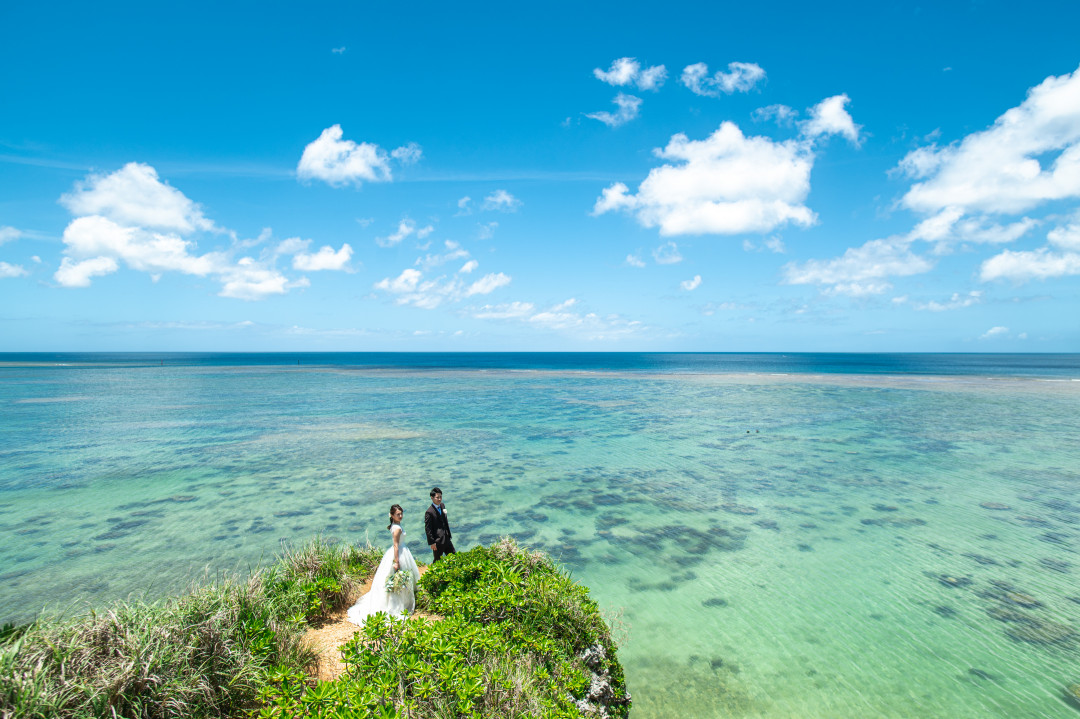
(327, 638)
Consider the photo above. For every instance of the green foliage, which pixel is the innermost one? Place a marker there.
(206, 654)
(506, 646)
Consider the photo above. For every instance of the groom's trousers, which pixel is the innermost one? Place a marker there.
(442, 549)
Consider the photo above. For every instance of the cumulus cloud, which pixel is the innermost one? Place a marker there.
(829, 117)
(412, 288)
(78, 274)
(628, 110)
(249, 280)
(7, 234)
(627, 71)
(1040, 264)
(502, 201)
(1030, 155)
(1066, 237)
(861, 270)
(153, 252)
(8, 270)
(740, 77)
(667, 254)
(338, 50)
(725, 184)
(994, 332)
(135, 196)
(691, 285)
(487, 230)
(325, 259)
(340, 162)
(132, 217)
(634, 261)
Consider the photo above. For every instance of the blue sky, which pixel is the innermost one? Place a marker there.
(558, 176)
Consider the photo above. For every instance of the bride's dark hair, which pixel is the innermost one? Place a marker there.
(393, 508)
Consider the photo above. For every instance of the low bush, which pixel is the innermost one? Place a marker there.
(517, 638)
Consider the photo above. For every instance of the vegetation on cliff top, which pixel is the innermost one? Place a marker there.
(514, 636)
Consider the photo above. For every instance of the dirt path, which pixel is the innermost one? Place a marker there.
(327, 639)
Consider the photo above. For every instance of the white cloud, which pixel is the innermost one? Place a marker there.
(488, 284)
(468, 267)
(628, 110)
(454, 251)
(949, 227)
(627, 70)
(652, 78)
(503, 201)
(487, 231)
(134, 196)
(740, 77)
(340, 162)
(78, 274)
(774, 244)
(994, 332)
(783, 114)
(622, 72)
(463, 206)
(338, 50)
(634, 261)
(325, 259)
(132, 217)
(829, 117)
(248, 280)
(956, 302)
(7, 270)
(407, 281)
(407, 154)
(691, 285)
(510, 310)
(860, 270)
(406, 227)
(411, 288)
(725, 184)
(153, 252)
(858, 289)
(1005, 168)
(667, 254)
(1066, 237)
(1040, 264)
(7, 234)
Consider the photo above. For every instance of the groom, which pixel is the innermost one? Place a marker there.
(436, 526)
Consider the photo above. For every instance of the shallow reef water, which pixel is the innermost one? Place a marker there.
(765, 545)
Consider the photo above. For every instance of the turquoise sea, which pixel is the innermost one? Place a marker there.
(772, 536)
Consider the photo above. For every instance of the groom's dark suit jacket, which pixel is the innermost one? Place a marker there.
(436, 526)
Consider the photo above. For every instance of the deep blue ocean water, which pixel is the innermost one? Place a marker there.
(771, 535)
(982, 365)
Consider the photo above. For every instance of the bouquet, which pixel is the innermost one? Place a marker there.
(398, 580)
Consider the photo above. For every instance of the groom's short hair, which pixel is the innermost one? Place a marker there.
(435, 491)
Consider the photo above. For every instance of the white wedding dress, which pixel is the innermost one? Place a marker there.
(397, 604)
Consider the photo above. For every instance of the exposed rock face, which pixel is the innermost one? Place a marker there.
(601, 695)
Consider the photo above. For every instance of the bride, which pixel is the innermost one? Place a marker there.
(399, 602)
